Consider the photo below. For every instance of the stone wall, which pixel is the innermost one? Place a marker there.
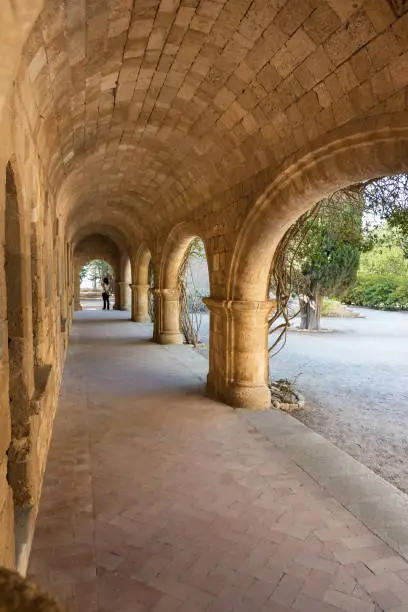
(32, 344)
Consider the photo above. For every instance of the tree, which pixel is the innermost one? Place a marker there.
(386, 199)
(83, 272)
(383, 199)
(326, 261)
(95, 271)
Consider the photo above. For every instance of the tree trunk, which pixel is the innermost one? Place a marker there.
(310, 311)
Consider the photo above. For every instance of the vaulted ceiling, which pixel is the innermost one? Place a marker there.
(146, 108)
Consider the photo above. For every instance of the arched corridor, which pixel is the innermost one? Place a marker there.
(157, 498)
(130, 127)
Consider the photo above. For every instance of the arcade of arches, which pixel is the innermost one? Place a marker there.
(130, 127)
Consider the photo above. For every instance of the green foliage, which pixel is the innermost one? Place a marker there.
(319, 255)
(382, 261)
(387, 255)
(382, 280)
(328, 257)
(386, 199)
(196, 250)
(328, 306)
(384, 292)
(96, 270)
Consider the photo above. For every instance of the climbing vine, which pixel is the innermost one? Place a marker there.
(151, 291)
(191, 305)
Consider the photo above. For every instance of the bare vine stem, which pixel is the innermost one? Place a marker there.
(190, 321)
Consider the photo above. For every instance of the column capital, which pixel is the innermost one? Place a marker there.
(238, 306)
(171, 294)
(135, 287)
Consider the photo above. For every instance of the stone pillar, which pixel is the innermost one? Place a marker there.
(77, 297)
(122, 296)
(239, 361)
(119, 295)
(156, 314)
(140, 303)
(71, 284)
(167, 317)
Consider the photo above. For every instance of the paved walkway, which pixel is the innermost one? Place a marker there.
(355, 381)
(158, 499)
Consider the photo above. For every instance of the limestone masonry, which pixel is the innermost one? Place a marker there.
(130, 127)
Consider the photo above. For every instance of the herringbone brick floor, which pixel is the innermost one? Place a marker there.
(157, 499)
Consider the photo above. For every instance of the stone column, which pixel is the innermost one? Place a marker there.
(239, 361)
(167, 317)
(140, 303)
(77, 298)
(71, 284)
(122, 300)
(115, 287)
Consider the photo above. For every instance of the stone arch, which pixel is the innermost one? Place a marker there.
(140, 284)
(140, 265)
(354, 153)
(167, 307)
(84, 259)
(94, 246)
(176, 245)
(84, 220)
(79, 261)
(358, 151)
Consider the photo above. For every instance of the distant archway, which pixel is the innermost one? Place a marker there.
(96, 247)
(91, 276)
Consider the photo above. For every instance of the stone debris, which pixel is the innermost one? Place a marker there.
(285, 397)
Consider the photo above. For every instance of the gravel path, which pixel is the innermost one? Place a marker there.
(355, 380)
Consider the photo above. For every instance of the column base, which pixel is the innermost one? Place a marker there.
(246, 396)
(240, 395)
(170, 338)
(141, 319)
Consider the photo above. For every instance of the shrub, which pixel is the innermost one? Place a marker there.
(379, 291)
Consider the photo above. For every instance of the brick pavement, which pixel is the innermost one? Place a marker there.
(157, 499)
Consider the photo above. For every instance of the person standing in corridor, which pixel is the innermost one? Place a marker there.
(106, 290)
